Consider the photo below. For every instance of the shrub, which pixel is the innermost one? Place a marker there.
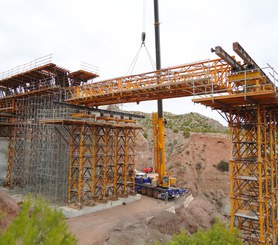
(223, 166)
(145, 135)
(219, 233)
(198, 166)
(186, 134)
(175, 130)
(38, 223)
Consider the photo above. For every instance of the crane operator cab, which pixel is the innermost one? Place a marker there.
(168, 181)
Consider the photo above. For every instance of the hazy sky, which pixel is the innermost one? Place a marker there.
(107, 33)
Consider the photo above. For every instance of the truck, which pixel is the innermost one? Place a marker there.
(146, 186)
(158, 183)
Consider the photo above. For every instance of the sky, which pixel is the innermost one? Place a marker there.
(107, 34)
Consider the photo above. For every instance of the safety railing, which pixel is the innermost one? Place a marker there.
(26, 67)
(90, 68)
(246, 82)
(37, 86)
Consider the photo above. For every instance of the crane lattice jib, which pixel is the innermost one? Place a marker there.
(197, 78)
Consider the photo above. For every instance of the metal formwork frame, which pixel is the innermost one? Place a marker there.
(121, 162)
(253, 175)
(81, 169)
(110, 163)
(102, 163)
(131, 135)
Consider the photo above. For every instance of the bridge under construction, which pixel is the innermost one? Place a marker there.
(63, 146)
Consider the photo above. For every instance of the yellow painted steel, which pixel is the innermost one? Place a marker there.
(202, 77)
(80, 167)
(164, 179)
(125, 160)
(253, 176)
(260, 162)
(155, 142)
(161, 147)
(93, 164)
(105, 162)
(134, 160)
(116, 135)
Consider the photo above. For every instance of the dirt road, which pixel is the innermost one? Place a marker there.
(112, 224)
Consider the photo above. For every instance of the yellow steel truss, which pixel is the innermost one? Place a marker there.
(102, 163)
(195, 78)
(253, 174)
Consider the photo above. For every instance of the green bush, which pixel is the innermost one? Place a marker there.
(219, 233)
(175, 130)
(38, 223)
(198, 166)
(223, 166)
(145, 135)
(186, 134)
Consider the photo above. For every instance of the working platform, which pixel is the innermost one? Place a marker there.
(224, 102)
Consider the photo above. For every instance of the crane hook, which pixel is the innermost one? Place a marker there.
(143, 38)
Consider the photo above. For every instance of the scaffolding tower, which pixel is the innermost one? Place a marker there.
(42, 131)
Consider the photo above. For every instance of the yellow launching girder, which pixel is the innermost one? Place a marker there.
(204, 77)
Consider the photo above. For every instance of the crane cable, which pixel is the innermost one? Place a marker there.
(143, 45)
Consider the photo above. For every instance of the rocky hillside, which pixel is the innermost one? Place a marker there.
(198, 159)
(190, 122)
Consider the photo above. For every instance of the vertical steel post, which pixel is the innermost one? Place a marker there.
(260, 162)
(231, 168)
(80, 167)
(93, 163)
(116, 134)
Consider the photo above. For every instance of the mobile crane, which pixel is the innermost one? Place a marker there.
(161, 182)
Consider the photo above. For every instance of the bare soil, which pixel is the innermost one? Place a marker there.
(8, 210)
(126, 224)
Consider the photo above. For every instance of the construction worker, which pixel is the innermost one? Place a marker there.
(166, 198)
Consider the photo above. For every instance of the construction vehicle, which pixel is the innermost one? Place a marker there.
(158, 183)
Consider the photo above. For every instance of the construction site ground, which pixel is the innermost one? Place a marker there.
(126, 224)
(144, 221)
